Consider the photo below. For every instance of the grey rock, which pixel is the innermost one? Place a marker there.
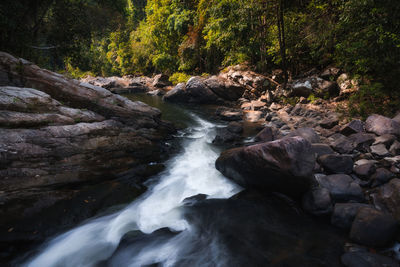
(336, 163)
(318, 201)
(342, 144)
(342, 188)
(373, 228)
(381, 176)
(355, 126)
(381, 125)
(307, 133)
(387, 198)
(265, 135)
(322, 149)
(380, 150)
(386, 139)
(344, 213)
(395, 148)
(365, 170)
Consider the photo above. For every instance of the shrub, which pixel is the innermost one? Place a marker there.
(179, 77)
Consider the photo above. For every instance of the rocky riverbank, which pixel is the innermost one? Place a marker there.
(343, 171)
(68, 150)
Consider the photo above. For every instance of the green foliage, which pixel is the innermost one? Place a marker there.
(179, 77)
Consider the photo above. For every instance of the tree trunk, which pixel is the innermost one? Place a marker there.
(281, 37)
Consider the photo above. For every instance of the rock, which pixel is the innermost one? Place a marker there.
(364, 171)
(342, 188)
(367, 259)
(284, 165)
(235, 127)
(161, 81)
(387, 198)
(329, 123)
(386, 139)
(318, 201)
(380, 150)
(307, 133)
(397, 118)
(195, 91)
(336, 163)
(266, 135)
(224, 136)
(224, 88)
(253, 116)
(313, 85)
(330, 73)
(227, 114)
(344, 213)
(364, 161)
(381, 125)
(321, 149)
(362, 141)
(342, 144)
(381, 176)
(271, 231)
(395, 148)
(373, 228)
(156, 92)
(355, 126)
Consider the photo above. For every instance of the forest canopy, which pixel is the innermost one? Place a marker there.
(107, 37)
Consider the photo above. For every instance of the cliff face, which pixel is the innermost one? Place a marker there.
(57, 134)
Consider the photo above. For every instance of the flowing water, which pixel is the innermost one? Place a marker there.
(192, 172)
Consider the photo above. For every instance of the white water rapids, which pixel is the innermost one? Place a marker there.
(190, 173)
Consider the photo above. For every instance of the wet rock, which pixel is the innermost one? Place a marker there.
(387, 198)
(381, 176)
(227, 114)
(373, 228)
(367, 259)
(284, 165)
(177, 94)
(307, 133)
(344, 213)
(355, 126)
(381, 125)
(225, 136)
(235, 127)
(322, 149)
(266, 135)
(365, 170)
(318, 201)
(336, 163)
(342, 188)
(380, 150)
(269, 229)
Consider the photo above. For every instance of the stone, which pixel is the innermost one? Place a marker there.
(307, 133)
(344, 213)
(321, 149)
(381, 125)
(284, 165)
(355, 126)
(265, 135)
(342, 188)
(227, 114)
(224, 136)
(329, 123)
(387, 198)
(224, 88)
(313, 85)
(367, 259)
(364, 171)
(253, 116)
(386, 139)
(380, 150)
(317, 201)
(235, 127)
(161, 81)
(342, 144)
(347, 86)
(336, 163)
(362, 141)
(397, 118)
(381, 176)
(395, 148)
(373, 228)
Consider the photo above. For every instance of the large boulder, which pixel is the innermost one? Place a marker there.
(224, 88)
(284, 165)
(387, 198)
(313, 85)
(307, 133)
(373, 228)
(381, 125)
(161, 80)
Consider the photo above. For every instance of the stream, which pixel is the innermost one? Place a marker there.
(102, 241)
